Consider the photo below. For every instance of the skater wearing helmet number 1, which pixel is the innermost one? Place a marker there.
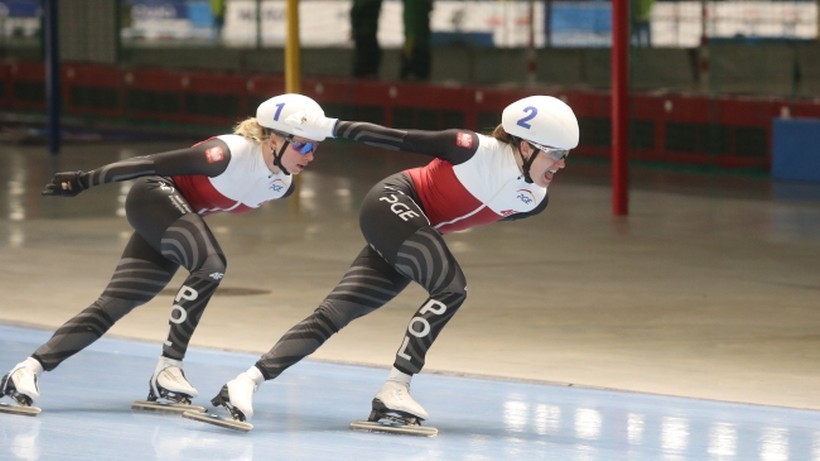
(474, 179)
(165, 206)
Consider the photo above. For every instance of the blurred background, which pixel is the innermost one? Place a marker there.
(711, 84)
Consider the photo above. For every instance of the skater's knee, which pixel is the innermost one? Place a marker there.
(458, 290)
(457, 298)
(215, 262)
(213, 268)
(453, 295)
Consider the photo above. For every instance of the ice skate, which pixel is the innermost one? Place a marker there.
(168, 390)
(237, 398)
(20, 384)
(395, 411)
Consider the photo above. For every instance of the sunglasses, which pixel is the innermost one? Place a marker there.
(551, 152)
(303, 147)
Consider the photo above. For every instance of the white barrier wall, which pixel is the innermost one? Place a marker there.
(674, 24)
(326, 23)
(679, 24)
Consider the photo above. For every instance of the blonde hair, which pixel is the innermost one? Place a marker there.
(251, 129)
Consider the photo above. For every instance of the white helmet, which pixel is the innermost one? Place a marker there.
(273, 113)
(543, 120)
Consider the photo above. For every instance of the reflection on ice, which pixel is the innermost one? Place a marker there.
(547, 419)
(722, 440)
(774, 444)
(634, 428)
(587, 423)
(674, 433)
(515, 415)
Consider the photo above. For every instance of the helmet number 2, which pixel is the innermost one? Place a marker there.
(531, 113)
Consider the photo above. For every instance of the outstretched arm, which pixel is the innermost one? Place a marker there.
(455, 146)
(208, 158)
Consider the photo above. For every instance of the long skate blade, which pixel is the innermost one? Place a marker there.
(163, 407)
(19, 410)
(404, 429)
(217, 420)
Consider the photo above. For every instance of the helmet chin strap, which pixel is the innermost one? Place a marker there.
(277, 157)
(526, 163)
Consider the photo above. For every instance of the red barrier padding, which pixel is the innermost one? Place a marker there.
(90, 89)
(731, 132)
(26, 86)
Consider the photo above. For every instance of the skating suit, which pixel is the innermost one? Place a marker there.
(473, 180)
(458, 190)
(222, 174)
(171, 192)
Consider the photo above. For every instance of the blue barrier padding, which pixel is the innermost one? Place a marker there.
(467, 38)
(796, 149)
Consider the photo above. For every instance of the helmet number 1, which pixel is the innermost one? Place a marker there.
(532, 112)
(278, 111)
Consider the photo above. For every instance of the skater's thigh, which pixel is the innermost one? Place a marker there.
(152, 205)
(389, 216)
(139, 250)
(141, 274)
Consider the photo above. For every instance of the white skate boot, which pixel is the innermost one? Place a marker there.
(237, 394)
(168, 389)
(168, 382)
(20, 384)
(394, 400)
(394, 410)
(237, 397)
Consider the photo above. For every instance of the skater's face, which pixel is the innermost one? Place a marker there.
(546, 164)
(298, 154)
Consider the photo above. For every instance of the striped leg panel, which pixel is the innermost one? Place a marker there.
(190, 243)
(367, 285)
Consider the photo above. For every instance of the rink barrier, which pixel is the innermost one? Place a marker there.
(697, 130)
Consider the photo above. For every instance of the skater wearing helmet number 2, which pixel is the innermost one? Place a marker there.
(165, 206)
(474, 179)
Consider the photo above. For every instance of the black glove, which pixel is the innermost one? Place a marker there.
(67, 183)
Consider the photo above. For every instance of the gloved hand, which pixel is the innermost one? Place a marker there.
(67, 183)
(311, 125)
